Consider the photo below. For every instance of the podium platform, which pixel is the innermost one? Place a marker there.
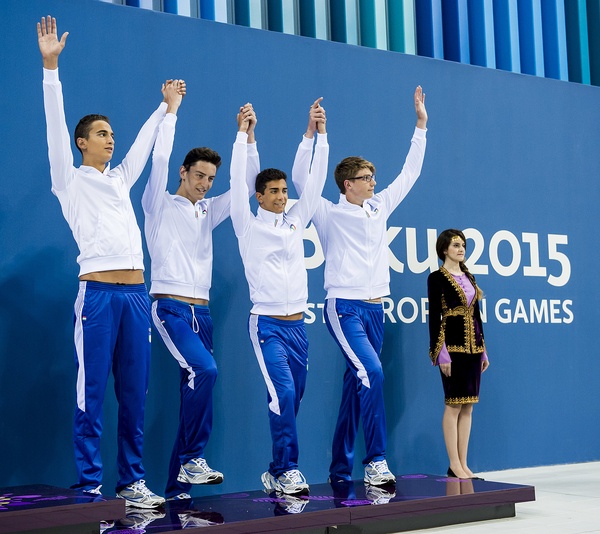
(53, 510)
(417, 501)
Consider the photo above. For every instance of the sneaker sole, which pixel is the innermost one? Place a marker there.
(297, 490)
(202, 479)
(380, 482)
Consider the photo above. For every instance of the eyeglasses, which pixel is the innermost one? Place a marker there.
(368, 178)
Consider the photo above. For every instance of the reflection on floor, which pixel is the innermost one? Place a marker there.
(415, 501)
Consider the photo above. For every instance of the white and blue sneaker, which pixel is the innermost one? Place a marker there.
(139, 496)
(290, 483)
(378, 474)
(197, 471)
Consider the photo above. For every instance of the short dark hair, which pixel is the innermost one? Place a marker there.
(347, 169)
(268, 175)
(85, 125)
(201, 153)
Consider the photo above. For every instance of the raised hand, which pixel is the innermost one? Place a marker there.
(316, 119)
(48, 41)
(173, 92)
(246, 119)
(420, 108)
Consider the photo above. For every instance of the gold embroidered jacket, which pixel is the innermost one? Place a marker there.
(451, 319)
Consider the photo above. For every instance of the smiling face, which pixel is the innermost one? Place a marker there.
(98, 146)
(274, 197)
(197, 180)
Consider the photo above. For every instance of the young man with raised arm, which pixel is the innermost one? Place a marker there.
(272, 249)
(112, 309)
(179, 235)
(353, 235)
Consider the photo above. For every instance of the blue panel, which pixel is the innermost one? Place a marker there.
(170, 6)
(481, 33)
(368, 23)
(242, 12)
(577, 41)
(401, 26)
(555, 39)
(133, 3)
(337, 12)
(275, 15)
(531, 37)
(207, 9)
(456, 30)
(593, 13)
(506, 33)
(430, 39)
(307, 19)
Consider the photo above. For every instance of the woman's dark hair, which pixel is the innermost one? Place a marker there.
(443, 242)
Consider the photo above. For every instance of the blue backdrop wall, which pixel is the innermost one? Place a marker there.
(511, 158)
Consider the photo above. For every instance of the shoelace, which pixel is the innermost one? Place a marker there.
(201, 462)
(381, 468)
(295, 476)
(140, 487)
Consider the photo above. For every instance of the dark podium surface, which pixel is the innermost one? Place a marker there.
(54, 510)
(416, 501)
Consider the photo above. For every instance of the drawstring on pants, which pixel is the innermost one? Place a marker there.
(195, 325)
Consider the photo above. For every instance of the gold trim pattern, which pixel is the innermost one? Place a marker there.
(470, 343)
(462, 400)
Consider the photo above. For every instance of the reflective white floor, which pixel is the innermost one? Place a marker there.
(567, 502)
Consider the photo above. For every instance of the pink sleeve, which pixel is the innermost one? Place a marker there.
(484, 356)
(443, 356)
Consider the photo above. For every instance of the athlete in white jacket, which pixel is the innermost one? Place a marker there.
(112, 310)
(353, 235)
(179, 235)
(272, 249)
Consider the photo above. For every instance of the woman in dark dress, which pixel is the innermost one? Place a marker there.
(456, 344)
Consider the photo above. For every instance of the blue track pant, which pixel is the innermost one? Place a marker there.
(281, 348)
(357, 327)
(112, 329)
(187, 331)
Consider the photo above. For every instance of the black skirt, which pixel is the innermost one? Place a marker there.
(462, 387)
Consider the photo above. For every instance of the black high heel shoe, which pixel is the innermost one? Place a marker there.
(451, 473)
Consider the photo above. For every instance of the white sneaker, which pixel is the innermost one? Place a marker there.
(139, 496)
(378, 473)
(197, 471)
(291, 482)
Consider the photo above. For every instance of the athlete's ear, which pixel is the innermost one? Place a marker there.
(259, 197)
(182, 171)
